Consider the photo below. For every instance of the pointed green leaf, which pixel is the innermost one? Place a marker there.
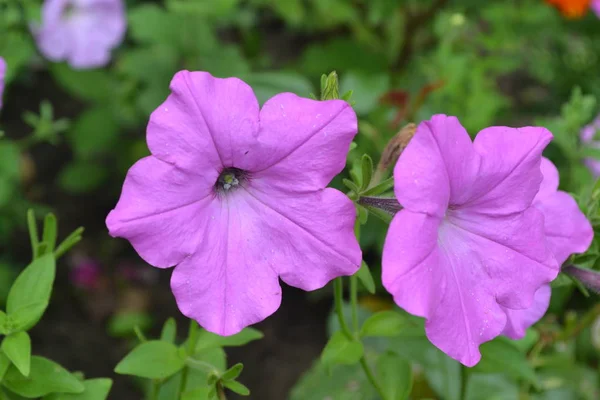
(395, 376)
(17, 347)
(200, 393)
(50, 232)
(237, 387)
(95, 389)
(351, 185)
(44, 377)
(367, 171)
(152, 360)
(233, 372)
(365, 277)
(169, 331)
(380, 188)
(384, 323)
(4, 364)
(32, 289)
(207, 340)
(341, 350)
(491, 387)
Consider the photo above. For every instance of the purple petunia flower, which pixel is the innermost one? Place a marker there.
(468, 242)
(596, 7)
(588, 136)
(236, 197)
(567, 231)
(81, 32)
(2, 74)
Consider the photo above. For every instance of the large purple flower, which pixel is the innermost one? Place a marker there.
(2, 74)
(235, 197)
(596, 7)
(81, 32)
(468, 242)
(589, 138)
(567, 231)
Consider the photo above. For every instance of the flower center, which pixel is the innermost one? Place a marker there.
(229, 179)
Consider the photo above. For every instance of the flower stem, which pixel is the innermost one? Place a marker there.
(354, 302)
(338, 293)
(371, 378)
(154, 389)
(191, 346)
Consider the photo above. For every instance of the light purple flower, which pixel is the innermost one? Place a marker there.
(567, 231)
(596, 7)
(235, 197)
(2, 74)
(588, 137)
(468, 242)
(81, 32)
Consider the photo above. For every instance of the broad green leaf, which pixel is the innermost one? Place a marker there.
(4, 364)
(200, 393)
(491, 387)
(367, 89)
(395, 376)
(207, 340)
(81, 177)
(233, 372)
(95, 131)
(10, 156)
(123, 324)
(237, 387)
(380, 188)
(95, 389)
(149, 23)
(365, 277)
(341, 350)
(31, 291)
(502, 356)
(26, 317)
(169, 331)
(384, 323)
(153, 359)
(45, 377)
(93, 85)
(17, 347)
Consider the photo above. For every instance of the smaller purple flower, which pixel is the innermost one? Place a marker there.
(2, 74)
(81, 32)
(588, 137)
(468, 242)
(85, 273)
(567, 231)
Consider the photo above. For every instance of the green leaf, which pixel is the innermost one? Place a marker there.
(95, 131)
(233, 372)
(50, 232)
(31, 292)
(207, 340)
(95, 389)
(200, 393)
(93, 85)
(4, 364)
(351, 185)
(81, 177)
(237, 387)
(491, 387)
(169, 331)
(341, 350)
(502, 356)
(384, 323)
(10, 157)
(395, 376)
(149, 23)
(380, 188)
(366, 166)
(152, 360)
(365, 277)
(17, 347)
(45, 377)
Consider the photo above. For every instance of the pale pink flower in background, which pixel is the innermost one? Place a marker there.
(235, 196)
(567, 231)
(596, 7)
(81, 32)
(589, 138)
(468, 243)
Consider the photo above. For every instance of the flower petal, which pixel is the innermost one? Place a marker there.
(309, 237)
(510, 175)
(302, 141)
(518, 321)
(161, 211)
(229, 283)
(511, 249)
(205, 122)
(438, 165)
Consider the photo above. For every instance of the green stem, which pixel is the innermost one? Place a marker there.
(354, 302)
(338, 294)
(190, 350)
(154, 389)
(371, 378)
